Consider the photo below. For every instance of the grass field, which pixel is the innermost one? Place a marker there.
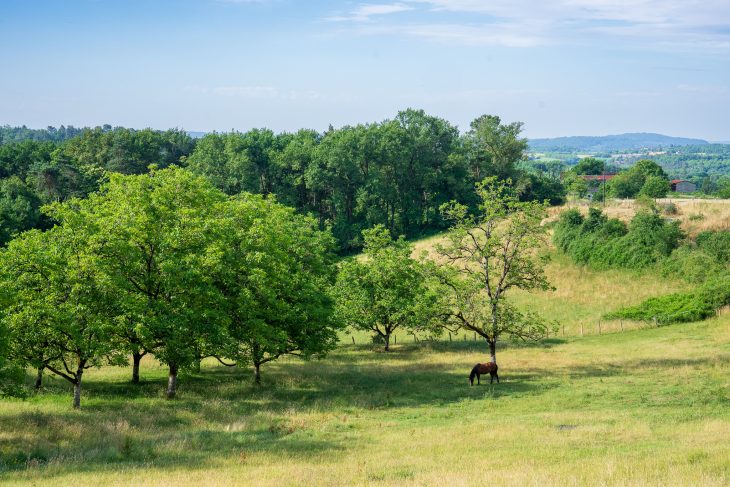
(649, 406)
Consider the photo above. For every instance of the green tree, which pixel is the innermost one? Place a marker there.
(590, 166)
(655, 187)
(488, 253)
(494, 148)
(275, 274)
(56, 290)
(152, 235)
(19, 208)
(387, 290)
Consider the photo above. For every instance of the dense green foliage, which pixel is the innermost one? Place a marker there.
(590, 166)
(33, 173)
(609, 243)
(681, 307)
(164, 263)
(396, 173)
(387, 290)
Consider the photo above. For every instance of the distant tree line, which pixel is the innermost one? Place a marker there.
(50, 134)
(395, 173)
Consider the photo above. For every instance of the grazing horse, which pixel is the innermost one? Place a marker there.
(480, 369)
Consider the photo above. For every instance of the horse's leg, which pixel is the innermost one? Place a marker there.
(478, 379)
(497, 376)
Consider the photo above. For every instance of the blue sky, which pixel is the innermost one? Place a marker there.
(564, 67)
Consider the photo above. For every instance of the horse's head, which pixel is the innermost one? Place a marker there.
(473, 374)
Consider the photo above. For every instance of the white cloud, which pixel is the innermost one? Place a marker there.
(528, 23)
(364, 12)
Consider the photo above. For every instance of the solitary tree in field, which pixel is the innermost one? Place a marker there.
(387, 290)
(488, 253)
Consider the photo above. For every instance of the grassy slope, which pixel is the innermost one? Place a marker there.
(645, 407)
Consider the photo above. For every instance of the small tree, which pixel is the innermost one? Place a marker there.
(655, 187)
(486, 255)
(386, 290)
(59, 296)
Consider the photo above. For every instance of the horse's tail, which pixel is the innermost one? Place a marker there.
(474, 372)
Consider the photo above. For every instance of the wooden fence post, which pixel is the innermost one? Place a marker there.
(599, 327)
(353, 339)
(622, 326)
(581, 329)
(563, 330)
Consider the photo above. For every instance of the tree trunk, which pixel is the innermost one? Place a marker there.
(136, 358)
(386, 337)
(257, 374)
(39, 378)
(172, 381)
(77, 389)
(492, 350)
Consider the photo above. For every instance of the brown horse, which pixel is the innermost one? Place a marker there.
(480, 369)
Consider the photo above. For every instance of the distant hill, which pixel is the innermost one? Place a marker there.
(610, 143)
(197, 135)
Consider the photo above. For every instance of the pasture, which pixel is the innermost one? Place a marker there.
(649, 406)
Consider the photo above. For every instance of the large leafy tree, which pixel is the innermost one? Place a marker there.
(387, 290)
(494, 148)
(151, 234)
(488, 253)
(276, 269)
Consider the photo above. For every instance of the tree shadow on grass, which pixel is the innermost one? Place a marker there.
(219, 413)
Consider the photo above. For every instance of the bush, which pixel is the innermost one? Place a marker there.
(680, 307)
(608, 243)
(690, 264)
(717, 244)
(669, 209)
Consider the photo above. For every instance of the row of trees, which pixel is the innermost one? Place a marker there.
(645, 178)
(395, 173)
(165, 264)
(34, 173)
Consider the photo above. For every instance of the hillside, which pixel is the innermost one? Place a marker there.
(610, 143)
(642, 407)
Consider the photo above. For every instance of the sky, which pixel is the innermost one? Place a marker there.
(563, 67)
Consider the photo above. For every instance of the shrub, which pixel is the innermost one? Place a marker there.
(680, 307)
(608, 243)
(690, 264)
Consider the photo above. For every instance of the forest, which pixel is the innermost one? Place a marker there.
(396, 172)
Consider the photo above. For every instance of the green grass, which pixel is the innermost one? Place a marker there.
(649, 406)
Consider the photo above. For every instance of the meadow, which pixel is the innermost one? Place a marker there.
(648, 406)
